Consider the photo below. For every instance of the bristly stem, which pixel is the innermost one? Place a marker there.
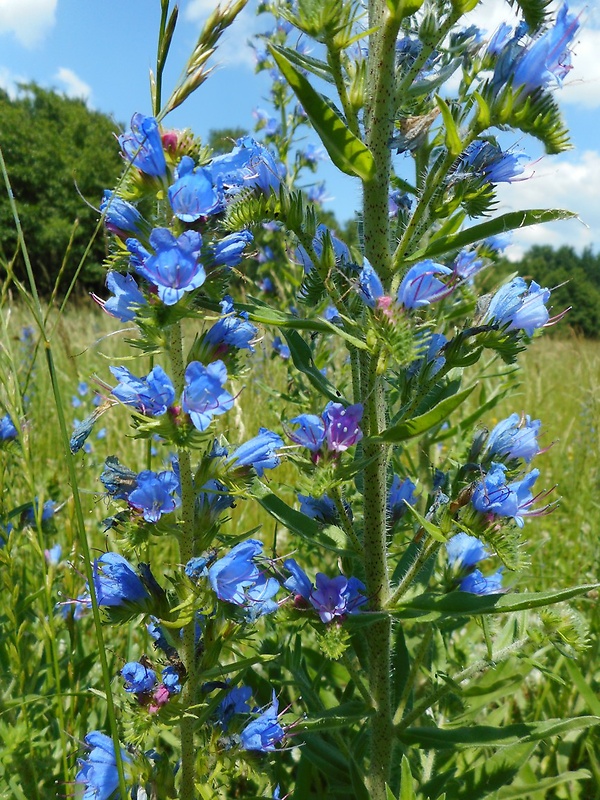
(379, 120)
(186, 551)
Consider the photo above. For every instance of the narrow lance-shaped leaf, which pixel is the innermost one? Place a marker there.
(488, 735)
(418, 425)
(462, 604)
(502, 224)
(303, 360)
(347, 152)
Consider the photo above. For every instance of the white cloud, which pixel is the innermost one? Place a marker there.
(233, 48)
(558, 182)
(28, 20)
(73, 85)
(9, 81)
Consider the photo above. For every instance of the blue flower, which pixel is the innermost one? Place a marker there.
(370, 287)
(265, 123)
(543, 61)
(419, 287)
(121, 217)
(249, 165)
(467, 264)
(465, 551)
(332, 597)
(174, 268)
(197, 568)
(477, 583)
(48, 510)
(486, 160)
(518, 307)
(336, 597)
(398, 201)
(213, 498)
(53, 555)
(171, 679)
(228, 252)
(204, 396)
(299, 582)
(151, 395)
(7, 429)
(314, 153)
(234, 702)
(153, 495)
(264, 732)
(320, 508)
(340, 249)
(232, 330)
(401, 492)
(342, 426)
(431, 358)
(127, 297)
(310, 433)
(258, 452)
(138, 678)
(280, 348)
(142, 146)
(98, 772)
(193, 195)
(237, 579)
(515, 437)
(494, 496)
(116, 583)
(498, 243)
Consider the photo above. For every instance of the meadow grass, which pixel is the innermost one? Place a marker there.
(49, 657)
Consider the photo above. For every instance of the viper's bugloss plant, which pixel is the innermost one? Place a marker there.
(412, 500)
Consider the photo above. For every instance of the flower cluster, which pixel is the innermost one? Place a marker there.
(331, 597)
(334, 431)
(237, 578)
(464, 553)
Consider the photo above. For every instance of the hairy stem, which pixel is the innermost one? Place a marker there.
(186, 551)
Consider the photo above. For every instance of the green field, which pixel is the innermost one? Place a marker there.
(47, 703)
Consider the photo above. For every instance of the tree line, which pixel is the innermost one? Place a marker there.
(60, 156)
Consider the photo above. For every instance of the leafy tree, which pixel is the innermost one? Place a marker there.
(59, 158)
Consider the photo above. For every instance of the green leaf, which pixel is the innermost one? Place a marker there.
(583, 687)
(431, 529)
(303, 360)
(407, 789)
(347, 152)
(266, 315)
(330, 537)
(453, 141)
(501, 224)
(389, 795)
(238, 666)
(488, 735)
(458, 604)
(404, 8)
(418, 425)
(302, 61)
(520, 790)
(339, 717)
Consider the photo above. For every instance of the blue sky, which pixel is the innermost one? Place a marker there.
(103, 51)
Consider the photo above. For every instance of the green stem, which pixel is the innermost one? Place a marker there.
(426, 552)
(377, 579)
(187, 547)
(333, 58)
(345, 520)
